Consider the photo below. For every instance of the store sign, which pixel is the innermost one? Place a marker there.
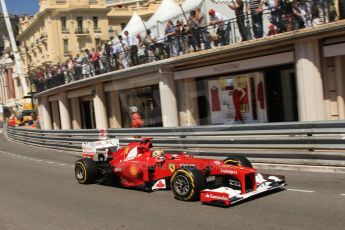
(230, 67)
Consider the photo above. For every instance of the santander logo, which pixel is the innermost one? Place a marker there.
(216, 197)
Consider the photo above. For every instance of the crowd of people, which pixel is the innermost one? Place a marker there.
(190, 35)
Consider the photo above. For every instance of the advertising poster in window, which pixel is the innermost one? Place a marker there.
(234, 99)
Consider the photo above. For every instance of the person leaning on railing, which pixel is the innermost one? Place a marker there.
(204, 35)
(170, 33)
(220, 21)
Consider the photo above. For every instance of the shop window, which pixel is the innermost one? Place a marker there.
(147, 102)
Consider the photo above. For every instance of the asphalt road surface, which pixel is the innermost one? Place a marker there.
(38, 190)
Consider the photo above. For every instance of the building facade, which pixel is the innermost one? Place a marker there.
(61, 30)
(122, 10)
(11, 92)
(293, 76)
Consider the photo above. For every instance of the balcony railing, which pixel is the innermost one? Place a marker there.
(121, 2)
(64, 31)
(82, 31)
(212, 36)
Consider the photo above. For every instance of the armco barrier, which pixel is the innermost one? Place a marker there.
(300, 143)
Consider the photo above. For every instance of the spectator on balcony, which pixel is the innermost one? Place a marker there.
(202, 28)
(122, 49)
(194, 29)
(238, 7)
(114, 55)
(274, 6)
(79, 63)
(88, 61)
(170, 33)
(299, 16)
(107, 46)
(132, 42)
(256, 9)
(70, 69)
(141, 50)
(95, 61)
(218, 20)
(182, 38)
(102, 59)
(149, 43)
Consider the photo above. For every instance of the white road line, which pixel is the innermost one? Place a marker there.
(299, 190)
(33, 159)
(342, 194)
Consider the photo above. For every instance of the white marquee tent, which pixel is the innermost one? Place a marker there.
(135, 25)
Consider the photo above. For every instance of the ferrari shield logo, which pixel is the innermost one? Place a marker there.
(172, 167)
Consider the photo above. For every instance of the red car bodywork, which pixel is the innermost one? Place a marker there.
(135, 166)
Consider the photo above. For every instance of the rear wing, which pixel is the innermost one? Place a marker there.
(90, 149)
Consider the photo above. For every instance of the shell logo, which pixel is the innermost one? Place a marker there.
(133, 170)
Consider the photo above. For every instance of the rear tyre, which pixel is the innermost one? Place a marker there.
(238, 161)
(186, 184)
(86, 171)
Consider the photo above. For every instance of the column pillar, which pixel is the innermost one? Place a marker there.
(188, 102)
(76, 117)
(167, 93)
(100, 107)
(64, 111)
(45, 118)
(340, 74)
(115, 110)
(56, 115)
(311, 104)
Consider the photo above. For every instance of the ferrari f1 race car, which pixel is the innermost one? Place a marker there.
(138, 165)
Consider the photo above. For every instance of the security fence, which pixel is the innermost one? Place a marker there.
(298, 143)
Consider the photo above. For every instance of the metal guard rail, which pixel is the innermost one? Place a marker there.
(302, 143)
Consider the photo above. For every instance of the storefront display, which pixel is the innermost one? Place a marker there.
(237, 99)
(146, 100)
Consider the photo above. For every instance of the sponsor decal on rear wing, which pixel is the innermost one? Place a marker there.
(90, 148)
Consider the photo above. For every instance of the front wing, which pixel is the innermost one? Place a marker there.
(225, 196)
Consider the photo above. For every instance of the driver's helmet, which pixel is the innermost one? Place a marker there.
(158, 153)
(133, 109)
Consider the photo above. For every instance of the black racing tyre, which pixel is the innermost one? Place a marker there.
(86, 171)
(186, 184)
(238, 161)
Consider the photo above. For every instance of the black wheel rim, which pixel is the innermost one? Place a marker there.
(181, 185)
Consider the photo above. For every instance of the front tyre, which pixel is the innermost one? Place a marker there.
(186, 184)
(86, 171)
(238, 161)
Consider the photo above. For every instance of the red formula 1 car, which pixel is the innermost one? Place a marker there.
(137, 165)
